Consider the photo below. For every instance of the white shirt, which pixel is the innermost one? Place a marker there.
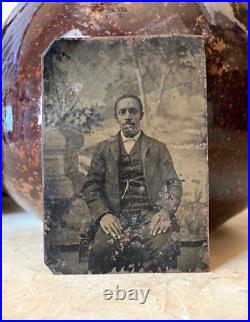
(129, 142)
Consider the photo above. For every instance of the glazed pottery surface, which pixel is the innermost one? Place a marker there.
(33, 27)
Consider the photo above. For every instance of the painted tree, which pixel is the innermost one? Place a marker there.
(149, 69)
(62, 94)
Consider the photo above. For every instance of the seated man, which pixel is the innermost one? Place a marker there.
(132, 191)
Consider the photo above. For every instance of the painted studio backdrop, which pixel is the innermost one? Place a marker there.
(82, 81)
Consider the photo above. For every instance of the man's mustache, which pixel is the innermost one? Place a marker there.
(128, 123)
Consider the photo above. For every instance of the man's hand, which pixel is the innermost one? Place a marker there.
(111, 225)
(160, 223)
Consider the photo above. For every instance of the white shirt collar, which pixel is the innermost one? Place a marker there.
(135, 138)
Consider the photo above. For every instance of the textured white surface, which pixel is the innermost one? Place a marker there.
(31, 291)
(7, 7)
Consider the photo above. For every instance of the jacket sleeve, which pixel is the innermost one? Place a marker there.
(171, 187)
(93, 188)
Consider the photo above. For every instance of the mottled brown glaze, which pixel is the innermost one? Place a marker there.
(31, 29)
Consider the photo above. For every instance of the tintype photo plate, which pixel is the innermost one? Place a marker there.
(124, 149)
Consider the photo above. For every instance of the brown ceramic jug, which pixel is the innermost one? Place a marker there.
(32, 27)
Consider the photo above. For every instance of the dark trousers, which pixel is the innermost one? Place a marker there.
(136, 250)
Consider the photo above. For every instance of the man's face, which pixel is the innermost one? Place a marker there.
(128, 116)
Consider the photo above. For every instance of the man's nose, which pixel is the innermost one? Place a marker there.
(128, 115)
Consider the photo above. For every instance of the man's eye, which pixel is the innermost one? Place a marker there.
(133, 110)
(130, 110)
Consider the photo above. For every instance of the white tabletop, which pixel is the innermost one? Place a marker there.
(31, 291)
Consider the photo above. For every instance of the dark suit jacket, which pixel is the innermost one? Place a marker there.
(101, 187)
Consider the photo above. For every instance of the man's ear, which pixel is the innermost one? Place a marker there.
(115, 116)
(142, 113)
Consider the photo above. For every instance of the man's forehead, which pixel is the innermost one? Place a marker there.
(127, 102)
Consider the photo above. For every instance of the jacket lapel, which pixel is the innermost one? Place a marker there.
(115, 150)
(114, 147)
(147, 163)
(145, 143)
(114, 192)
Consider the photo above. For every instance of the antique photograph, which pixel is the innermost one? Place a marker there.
(124, 149)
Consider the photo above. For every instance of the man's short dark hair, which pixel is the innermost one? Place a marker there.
(129, 96)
